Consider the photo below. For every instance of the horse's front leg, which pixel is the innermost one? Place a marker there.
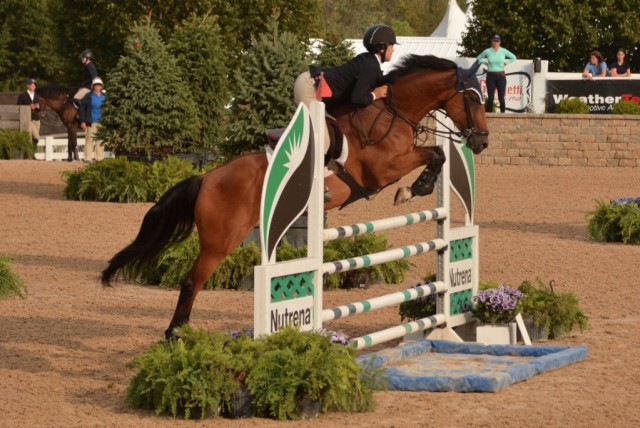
(425, 183)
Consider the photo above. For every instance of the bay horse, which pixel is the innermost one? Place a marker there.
(224, 203)
(60, 100)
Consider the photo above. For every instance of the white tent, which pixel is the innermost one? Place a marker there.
(454, 23)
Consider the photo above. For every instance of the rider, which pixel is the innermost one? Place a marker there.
(358, 81)
(90, 73)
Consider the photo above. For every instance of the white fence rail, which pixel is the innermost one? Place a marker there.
(55, 148)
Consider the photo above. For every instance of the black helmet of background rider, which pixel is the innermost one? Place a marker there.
(378, 38)
(86, 54)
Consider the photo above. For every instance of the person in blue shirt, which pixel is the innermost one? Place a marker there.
(90, 115)
(620, 68)
(496, 58)
(596, 67)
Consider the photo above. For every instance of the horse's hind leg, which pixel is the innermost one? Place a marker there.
(190, 286)
(425, 183)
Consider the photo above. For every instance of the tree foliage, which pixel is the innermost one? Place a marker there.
(264, 96)
(149, 109)
(200, 53)
(560, 31)
(26, 40)
(333, 51)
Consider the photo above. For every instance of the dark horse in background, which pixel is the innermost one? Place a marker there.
(60, 100)
(224, 203)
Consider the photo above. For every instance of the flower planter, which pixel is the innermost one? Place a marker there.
(241, 405)
(538, 333)
(499, 334)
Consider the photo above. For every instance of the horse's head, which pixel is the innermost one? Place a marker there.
(466, 109)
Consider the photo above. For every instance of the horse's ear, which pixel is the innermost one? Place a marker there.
(473, 69)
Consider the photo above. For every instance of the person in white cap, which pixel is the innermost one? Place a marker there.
(90, 115)
(30, 98)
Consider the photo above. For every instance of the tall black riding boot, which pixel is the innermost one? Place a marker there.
(70, 158)
(75, 154)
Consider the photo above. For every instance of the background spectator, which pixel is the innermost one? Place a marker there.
(90, 115)
(30, 98)
(596, 67)
(620, 68)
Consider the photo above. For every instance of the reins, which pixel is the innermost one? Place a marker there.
(420, 131)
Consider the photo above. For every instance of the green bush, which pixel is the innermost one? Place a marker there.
(618, 221)
(121, 180)
(198, 374)
(556, 312)
(626, 107)
(175, 263)
(294, 365)
(11, 284)
(15, 143)
(572, 106)
(195, 374)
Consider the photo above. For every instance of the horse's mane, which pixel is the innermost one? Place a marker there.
(415, 63)
(55, 91)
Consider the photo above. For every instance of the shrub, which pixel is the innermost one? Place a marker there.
(121, 180)
(16, 143)
(618, 221)
(175, 263)
(193, 374)
(572, 106)
(556, 312)
(295, 365)
(200, 372)
(626, 107)
(11, 284)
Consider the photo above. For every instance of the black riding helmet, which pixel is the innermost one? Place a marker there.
(86, 54)
(378, 37)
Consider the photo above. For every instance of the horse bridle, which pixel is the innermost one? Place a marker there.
(420, 131)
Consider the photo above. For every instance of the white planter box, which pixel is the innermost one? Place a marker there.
(500, 334)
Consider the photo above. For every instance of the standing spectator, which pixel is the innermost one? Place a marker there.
(596, 67)
(90, 72)
(90, 115)
(30, 98)
(620, 68)
(496, 58)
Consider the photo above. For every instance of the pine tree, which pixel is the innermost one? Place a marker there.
(149, 109)
(264, 94)
(334, 51)
(202, 60)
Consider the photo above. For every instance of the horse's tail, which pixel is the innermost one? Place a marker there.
(169, 221)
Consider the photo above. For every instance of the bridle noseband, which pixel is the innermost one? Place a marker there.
(420, 131)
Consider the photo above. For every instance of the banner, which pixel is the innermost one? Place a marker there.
(599, 94)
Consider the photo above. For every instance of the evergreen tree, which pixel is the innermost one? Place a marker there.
(201, 58)
(25, 44)
(149, 108)
(334, 51)
(264, 95)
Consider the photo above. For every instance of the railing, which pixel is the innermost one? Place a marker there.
(55, 147)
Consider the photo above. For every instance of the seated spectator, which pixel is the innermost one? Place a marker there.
(620, 68)
(596, 67)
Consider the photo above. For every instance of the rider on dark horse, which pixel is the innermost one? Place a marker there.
(90, 73)
(359, 82)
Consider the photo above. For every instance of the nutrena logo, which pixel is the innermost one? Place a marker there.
(288, 180)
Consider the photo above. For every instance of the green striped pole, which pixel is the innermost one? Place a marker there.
(398, 331)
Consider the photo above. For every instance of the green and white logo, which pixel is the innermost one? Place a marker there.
(288, 181)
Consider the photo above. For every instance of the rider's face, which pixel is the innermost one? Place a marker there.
(388, 53)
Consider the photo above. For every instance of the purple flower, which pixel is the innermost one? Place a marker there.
(335, 336)
(497, 305)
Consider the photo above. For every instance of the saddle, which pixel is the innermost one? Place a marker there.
(336, 139)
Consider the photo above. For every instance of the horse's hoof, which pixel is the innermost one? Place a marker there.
(403, 194)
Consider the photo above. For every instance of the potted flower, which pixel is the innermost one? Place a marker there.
(496, 309)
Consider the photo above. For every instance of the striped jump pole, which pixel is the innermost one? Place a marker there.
(384, 224)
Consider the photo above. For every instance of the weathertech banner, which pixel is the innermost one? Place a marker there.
(600, 94)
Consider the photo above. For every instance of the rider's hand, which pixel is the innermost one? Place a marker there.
(380, 92)
(83, 125)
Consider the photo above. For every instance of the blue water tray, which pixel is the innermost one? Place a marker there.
(439, 365)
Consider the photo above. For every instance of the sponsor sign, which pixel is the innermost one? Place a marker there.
(295, 312)
(599, 94)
